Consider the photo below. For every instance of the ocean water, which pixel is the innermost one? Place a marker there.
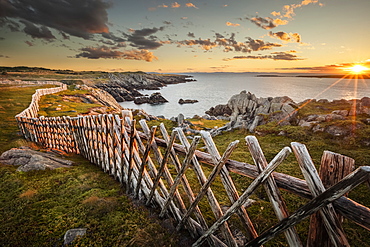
(212, 89)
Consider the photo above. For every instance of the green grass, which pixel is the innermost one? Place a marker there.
(38, 207)
(58, 104)
(13, 100)
(49, 203)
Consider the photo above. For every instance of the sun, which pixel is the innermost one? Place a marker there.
(357, 69)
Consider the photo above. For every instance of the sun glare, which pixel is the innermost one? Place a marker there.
(358, 69)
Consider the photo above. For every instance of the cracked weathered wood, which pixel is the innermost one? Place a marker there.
(215, 206)
(145, 158)
(217, 169)
(360, 175)
(346, 207)
(229, 186)
(330, 219)
(131, 157)
(180, 174)
(333, 168)
(272, 190)
(264, 175)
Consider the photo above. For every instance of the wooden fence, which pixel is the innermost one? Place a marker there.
(144, 164)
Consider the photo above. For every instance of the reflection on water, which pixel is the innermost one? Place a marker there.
(213, 89)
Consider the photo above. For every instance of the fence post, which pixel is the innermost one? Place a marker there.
(333, 168)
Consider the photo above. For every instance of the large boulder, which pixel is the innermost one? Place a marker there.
(219, 110)
(28, 160)
(248, 111)
(187, 101)
(154, 99)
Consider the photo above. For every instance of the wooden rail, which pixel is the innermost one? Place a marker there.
(155, 169)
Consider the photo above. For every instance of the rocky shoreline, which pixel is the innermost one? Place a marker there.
(244, 110)
(125, 86)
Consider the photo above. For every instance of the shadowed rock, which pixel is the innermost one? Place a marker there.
(29, 160)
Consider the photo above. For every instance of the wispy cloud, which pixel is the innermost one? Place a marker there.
(144, 38)
(29, 43)
(287, 13)
(191, 5)
(288, 10)
(232, 24)
(267, 23)
(229, 44)
(175, 5)
(287, 56)
(105, 52)
(191, 35)
(286, 37)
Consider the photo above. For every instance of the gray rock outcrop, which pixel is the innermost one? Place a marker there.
(124, 86)
(29, 160)
(72, 234)
(187, 101)
(154, 99)
(248, 111)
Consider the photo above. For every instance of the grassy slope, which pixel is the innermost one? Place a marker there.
(261, 212)
(37, 208)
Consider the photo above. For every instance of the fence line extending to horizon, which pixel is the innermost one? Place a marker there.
(157, 170)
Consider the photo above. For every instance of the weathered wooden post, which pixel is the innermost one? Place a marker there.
(333, 168)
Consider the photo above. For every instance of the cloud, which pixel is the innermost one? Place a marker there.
(229, 44)
(260, 45)
(111, 53)
(289, 9)
(268, 22)
(205, 44)
(139, 55)
(191, 35)
(287, 12)
(286, 37)
(232, 24)
(99, 52)
(287, 56)
(265, 23)
(175, 5)
(163, 6)
(29, 43)
(191, 5)
(76, 18)
(113, 37)
(65, 36)
(139, 39)
(167, 22)
(12, 25)
(37, 32)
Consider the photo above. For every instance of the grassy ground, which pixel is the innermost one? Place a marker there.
(37, 208)
(82, 196)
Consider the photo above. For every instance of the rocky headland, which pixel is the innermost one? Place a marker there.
(337, 118)
(125, 86)
(247, 111)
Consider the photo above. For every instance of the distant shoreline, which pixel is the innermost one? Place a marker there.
(319, 76)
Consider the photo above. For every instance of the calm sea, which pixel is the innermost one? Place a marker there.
(212, 89)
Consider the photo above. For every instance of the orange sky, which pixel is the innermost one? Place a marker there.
(320, 36)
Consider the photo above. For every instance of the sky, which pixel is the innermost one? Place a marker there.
(310, 36)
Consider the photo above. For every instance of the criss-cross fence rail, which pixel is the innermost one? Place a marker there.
(155, 169)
